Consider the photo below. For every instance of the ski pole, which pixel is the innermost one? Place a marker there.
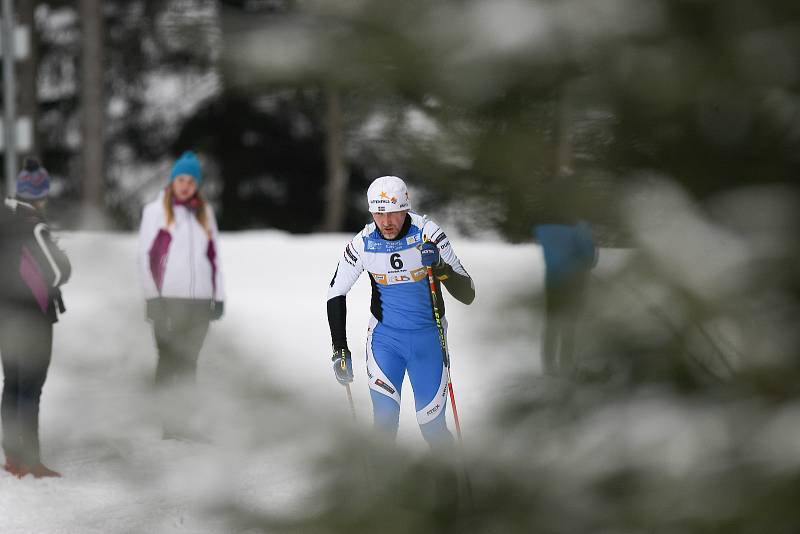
(352, 404)
(364, 463)
(446, 360)
(445, 354)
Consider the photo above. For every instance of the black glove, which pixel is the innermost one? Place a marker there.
(217, 309)
(155, 310)
(342, 365)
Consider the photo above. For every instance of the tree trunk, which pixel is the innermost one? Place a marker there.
(336, 191)
(93, 104)
(563, 131)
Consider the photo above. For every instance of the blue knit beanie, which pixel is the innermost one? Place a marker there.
(33, 182)
(187, 164)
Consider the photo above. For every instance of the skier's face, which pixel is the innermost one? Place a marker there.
(390, 223)
(184, 187)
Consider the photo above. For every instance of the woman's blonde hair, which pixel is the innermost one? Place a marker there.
(201, 213)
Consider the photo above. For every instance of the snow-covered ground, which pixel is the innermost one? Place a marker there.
(266, 396)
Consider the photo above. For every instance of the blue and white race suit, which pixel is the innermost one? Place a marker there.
(402, 335)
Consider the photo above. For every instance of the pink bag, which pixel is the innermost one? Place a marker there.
(33, 278)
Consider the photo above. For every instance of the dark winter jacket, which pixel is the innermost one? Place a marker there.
(32, 266)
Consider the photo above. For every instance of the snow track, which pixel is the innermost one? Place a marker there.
(265, 398)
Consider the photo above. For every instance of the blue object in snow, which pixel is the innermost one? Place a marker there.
(568, 250)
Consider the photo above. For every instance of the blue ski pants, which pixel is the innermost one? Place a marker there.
(391, 353)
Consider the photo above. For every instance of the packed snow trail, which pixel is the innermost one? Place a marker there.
(266, 393)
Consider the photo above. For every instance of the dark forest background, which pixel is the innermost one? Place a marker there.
(512, 113)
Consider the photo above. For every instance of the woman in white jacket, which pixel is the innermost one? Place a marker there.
(180, 271)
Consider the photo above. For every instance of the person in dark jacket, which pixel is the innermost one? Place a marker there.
(33, 269)
(569, 255)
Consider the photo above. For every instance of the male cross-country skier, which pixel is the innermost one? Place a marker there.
(402, 335)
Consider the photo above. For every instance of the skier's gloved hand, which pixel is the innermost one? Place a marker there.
(217, 309)
(430, 255)
(342, 365)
